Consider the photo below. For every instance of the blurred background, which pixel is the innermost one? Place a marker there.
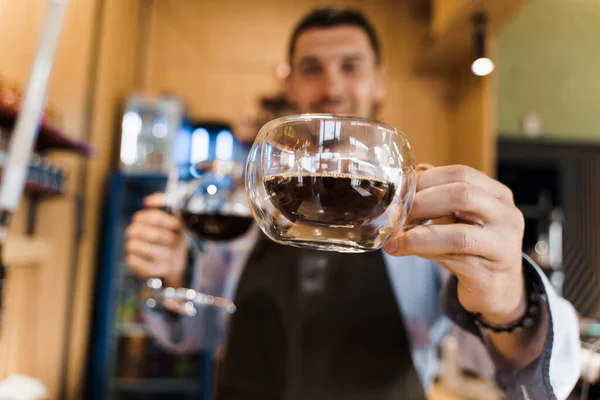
(133, 76)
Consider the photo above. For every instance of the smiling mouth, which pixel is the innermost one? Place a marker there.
(333, 108)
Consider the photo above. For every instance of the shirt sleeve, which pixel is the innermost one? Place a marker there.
(554, 374)
(180, 334)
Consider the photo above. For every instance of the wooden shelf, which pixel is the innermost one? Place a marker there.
(37, 189)
(451, 47)
(50, 137)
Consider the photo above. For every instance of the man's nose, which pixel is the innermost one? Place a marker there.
(333, 85)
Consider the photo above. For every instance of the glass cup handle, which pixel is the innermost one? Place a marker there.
(420, 168)
(420, 222)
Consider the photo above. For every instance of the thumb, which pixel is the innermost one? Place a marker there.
(155, 200)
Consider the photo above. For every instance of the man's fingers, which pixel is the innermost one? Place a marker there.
(155, 200)
(140, 249)
(466, 201)
(152, 235)
(460, 173)
(142, 267)
(153, 256)
(147, 250)
(458, 264)
(435, 241)
(157, 218)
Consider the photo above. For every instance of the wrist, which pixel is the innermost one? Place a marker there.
(181, 273)
(525, 314)
(173, 280)
(511, 312)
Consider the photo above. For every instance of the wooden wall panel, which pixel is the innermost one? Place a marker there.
(473, 120)
(20, 22)
(113, 81)
(443, 13)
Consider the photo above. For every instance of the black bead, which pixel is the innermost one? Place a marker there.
(527, 322)
(534, 310)
(534, 297)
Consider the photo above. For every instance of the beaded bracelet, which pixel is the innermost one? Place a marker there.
(535, 296)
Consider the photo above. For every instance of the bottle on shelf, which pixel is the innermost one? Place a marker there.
(149, 126)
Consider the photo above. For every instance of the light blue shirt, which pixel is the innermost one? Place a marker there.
(418, 284)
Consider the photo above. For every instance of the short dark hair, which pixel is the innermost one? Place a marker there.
(333, 17)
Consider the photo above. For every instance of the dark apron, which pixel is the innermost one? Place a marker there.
(316, 325)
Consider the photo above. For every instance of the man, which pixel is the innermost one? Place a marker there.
(373, 329)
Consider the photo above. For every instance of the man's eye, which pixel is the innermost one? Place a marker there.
(350, 67)
(311, 70)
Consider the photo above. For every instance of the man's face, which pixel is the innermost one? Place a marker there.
(334, 71)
